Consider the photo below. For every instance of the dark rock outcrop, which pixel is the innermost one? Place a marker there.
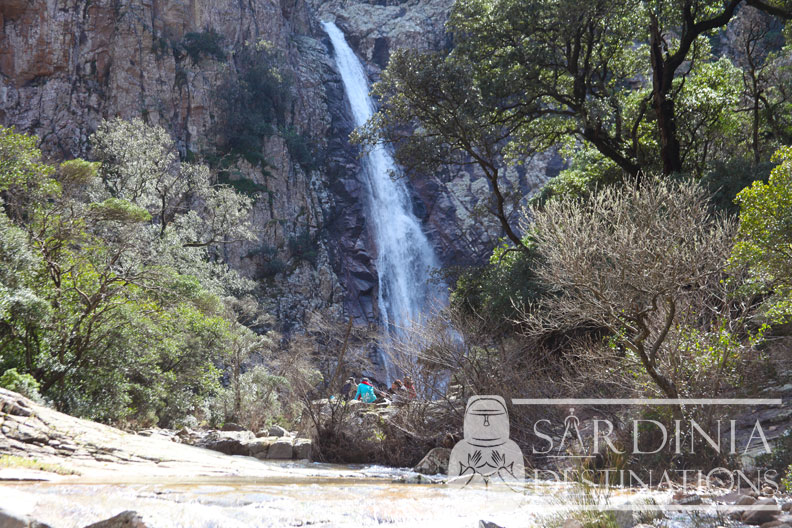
(126, 519)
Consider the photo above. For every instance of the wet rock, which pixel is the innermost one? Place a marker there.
(688, 500)
(127, 519)
(435, 461)
(282, 449)
(739, 499)
(277, 430)
(303, 449)
(757, 516)
(786, 507)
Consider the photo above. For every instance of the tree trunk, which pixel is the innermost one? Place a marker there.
(663, 104)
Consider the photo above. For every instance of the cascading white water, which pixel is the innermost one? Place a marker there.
(404, 255)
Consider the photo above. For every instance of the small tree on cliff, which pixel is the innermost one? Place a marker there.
(646, 262)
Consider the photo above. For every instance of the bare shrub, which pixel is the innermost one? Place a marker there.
(645, 262)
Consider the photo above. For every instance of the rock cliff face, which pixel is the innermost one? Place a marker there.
(67, 64)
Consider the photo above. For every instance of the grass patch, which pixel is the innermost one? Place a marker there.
(12, 461)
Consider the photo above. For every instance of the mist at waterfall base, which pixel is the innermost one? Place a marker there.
(405, 257)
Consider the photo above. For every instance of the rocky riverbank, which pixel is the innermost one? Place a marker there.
(83, 448)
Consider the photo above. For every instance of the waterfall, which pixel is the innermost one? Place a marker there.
(404, 255)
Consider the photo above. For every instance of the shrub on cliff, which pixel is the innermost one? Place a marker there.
(253, 102)
(199, 45)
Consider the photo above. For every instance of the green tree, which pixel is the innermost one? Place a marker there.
(764, 243)
(111, 293)
(627, 87)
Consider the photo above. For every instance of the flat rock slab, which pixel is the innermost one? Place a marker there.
(100, 452)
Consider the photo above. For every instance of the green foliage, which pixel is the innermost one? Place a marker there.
(665, 102)
(501, 290)
(199, 45)
(303, 247)
(242, 185)
(259, 404)
(765, 234)
(587, 171)
(728, 178)
(32, 463)
(780, 459)
(109, 296)
(78, 171)
(301, 149)
(24, 384)
(118, 210)
(254, 101)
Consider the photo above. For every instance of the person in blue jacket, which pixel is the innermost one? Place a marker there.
(365, 391)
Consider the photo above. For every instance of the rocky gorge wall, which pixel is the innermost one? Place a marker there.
(67, 64)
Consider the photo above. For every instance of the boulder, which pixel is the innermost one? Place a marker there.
(435, 461)
(282, 449)
(487, 524)
(277, 430)
(761, 516)
(230, 443)
(127, 519)
(258, 448)
(745, 500)
(303, 449)
(786, 507)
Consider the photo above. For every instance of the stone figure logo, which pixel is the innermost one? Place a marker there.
(486, 456)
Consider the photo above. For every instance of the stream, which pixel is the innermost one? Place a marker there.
(290, 494)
